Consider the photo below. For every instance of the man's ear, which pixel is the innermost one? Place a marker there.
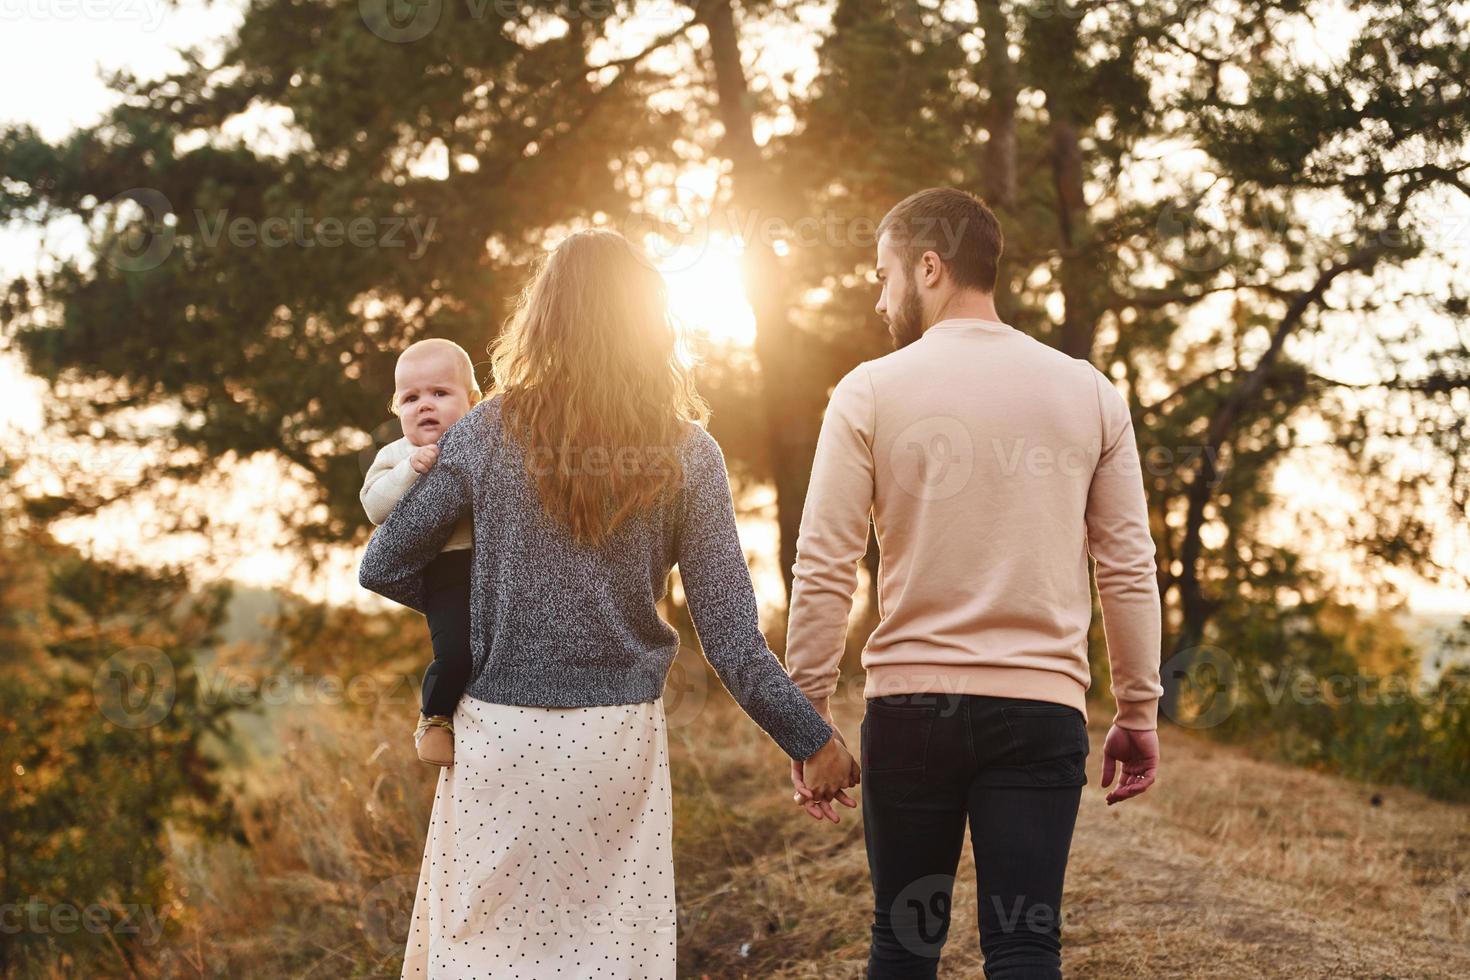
(932, 268)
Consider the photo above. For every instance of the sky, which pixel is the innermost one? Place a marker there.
(54, 55)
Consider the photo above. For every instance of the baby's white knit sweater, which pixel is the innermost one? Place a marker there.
(389, 478)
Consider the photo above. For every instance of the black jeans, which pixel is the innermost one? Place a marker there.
(447, 607)
(1013, 766)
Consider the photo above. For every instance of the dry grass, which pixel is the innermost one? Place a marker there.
(1230, 867)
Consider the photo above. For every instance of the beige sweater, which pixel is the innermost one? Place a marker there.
(389, 478)
(992, 466)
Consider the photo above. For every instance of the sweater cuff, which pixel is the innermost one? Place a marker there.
(1140, 716)
(807, 737)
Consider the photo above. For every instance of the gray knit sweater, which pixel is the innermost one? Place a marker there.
(555, 623)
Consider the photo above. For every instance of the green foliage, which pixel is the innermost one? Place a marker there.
(268, 337)
(100, 731)
(1330, 688)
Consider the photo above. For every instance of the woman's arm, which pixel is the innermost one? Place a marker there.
(722, 603)
(414, 532)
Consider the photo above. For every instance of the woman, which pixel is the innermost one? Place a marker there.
(587, 479)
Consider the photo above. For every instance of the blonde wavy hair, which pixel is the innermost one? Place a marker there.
(595, 385)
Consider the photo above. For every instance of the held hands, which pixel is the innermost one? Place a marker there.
(823, 778)
(1138, 751)
(424, 458)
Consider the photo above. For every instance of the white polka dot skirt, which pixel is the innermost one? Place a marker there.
(549, 851)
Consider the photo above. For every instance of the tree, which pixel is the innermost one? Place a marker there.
(229, 286)
(102, 731)
(1190, 205)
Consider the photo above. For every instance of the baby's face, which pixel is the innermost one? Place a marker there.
(432, 395)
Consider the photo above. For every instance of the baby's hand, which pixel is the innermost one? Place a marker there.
(423, 458)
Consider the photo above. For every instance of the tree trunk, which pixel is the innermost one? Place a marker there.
(1057, 37)
(998, 72)
(789, 440)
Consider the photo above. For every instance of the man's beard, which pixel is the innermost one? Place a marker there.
(907, 325)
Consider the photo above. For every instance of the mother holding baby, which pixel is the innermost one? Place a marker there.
(585, 477)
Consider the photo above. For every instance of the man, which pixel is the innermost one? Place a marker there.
(991, 465)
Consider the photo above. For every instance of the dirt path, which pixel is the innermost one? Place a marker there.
(1231, 867)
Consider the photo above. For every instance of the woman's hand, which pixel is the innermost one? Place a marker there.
(822, 779)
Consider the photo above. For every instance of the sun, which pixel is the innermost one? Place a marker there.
(706, 295)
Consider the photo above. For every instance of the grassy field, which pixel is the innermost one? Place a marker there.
(1230, 867)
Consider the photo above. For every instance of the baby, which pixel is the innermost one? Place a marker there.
(433, 387)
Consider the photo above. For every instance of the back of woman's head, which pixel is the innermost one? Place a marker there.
(593, 384)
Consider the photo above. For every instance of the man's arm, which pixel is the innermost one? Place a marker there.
(833, 538)
(1118, 538)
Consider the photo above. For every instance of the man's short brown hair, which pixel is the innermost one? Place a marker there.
(953, 223)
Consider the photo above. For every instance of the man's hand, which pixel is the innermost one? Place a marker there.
(822, 779)
(804, 775)
(1139, 754)
(424, 457)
